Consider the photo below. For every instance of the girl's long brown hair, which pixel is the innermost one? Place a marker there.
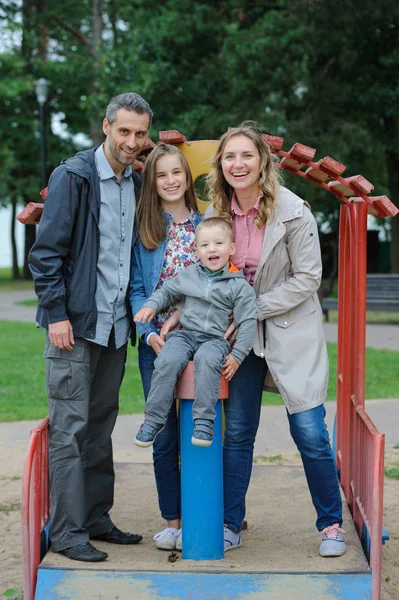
(150, 222)
(220, 192)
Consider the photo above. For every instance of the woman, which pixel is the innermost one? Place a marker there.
(167, 216)
(277, 247)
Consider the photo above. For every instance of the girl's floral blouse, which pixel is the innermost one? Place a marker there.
(180, 253)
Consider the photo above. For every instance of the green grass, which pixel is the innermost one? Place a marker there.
(10, 285)
(392, 473)
(22, 382)
(372, 316)
(26, 303)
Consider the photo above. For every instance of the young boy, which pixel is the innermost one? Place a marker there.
(213, 290)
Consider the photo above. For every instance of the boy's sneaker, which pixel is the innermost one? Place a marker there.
(166, 539)
(203, 432)
(231, 540)
(147, 433)
(179, 542)
(332, 542)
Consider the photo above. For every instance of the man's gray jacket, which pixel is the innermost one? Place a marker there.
(209, 302)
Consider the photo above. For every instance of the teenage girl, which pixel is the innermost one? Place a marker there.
(166, 218)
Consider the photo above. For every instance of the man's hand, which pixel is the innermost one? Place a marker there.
(230, 367)
(156, 343)
(145, 315)
(61, 335)
(171, 324)
(231, 332)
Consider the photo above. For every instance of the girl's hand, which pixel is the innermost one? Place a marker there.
(145, 315)
(156, 343)
(230, 367)
(231, 332)
(171, 324)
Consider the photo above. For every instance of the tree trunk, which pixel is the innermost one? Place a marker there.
(96, 133)
(393, 184)
(15, 268)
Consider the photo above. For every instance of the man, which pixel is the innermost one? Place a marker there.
(80, 264)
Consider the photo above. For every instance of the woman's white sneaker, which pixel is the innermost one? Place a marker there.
(166, 539)
(231, 540)
(332, 542)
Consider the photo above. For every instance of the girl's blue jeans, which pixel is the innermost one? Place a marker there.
(166, 446)
(242, 414)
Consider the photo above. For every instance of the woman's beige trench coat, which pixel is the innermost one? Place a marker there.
(290, 328)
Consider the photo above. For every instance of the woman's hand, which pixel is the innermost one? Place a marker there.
(156, 343)
(230, 367)
(145, 315)
(171, 324)
(231, 332)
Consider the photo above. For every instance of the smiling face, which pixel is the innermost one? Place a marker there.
(214, 246)
(240, 162)
(126, 137)
(171, 180)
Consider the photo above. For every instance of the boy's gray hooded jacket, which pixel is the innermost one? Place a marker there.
(209, 301)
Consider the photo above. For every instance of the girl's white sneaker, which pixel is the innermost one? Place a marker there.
(166, 539)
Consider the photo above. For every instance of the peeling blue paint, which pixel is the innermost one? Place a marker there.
(58, 584)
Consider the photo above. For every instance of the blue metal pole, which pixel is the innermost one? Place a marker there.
(201, 489)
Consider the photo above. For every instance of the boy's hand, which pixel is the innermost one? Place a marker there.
(230, 367)
(145, 315)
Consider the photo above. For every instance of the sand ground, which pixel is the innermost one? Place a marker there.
(10, 522)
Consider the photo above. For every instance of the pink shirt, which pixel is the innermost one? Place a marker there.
(248, 239)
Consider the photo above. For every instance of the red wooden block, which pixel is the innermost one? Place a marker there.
(302, 152)
(332, 166)
(275, 143)
(326, 168)
(381, 206)
(385, 205)
(31, 214)
(356, 183)
(148, 147)
(172, 136)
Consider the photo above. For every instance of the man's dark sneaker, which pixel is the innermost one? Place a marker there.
(116, 536)
(84, 552)
(203, 432)
(147, 433)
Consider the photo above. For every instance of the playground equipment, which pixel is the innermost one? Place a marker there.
(359, 446)
(202, 486)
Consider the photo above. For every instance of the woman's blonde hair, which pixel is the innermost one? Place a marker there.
(220, 192)
(150, 221)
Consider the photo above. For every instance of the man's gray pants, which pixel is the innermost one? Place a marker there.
(208, 354)
(83, 391)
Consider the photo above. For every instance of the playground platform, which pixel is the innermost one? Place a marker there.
(279, 558)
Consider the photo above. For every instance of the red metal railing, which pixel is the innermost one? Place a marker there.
(360, 447)
(35, 504)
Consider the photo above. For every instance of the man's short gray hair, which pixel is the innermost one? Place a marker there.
(128, 101)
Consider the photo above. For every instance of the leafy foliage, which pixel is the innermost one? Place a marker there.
(304, 70)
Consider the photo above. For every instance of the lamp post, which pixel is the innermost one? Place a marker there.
(41, 94)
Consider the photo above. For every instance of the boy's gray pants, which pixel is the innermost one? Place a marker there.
(208, 353)
(83, 391)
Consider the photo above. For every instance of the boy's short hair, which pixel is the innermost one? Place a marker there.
(216, 222)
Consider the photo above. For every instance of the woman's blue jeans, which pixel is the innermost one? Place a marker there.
(165, 448)
(308, 430)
